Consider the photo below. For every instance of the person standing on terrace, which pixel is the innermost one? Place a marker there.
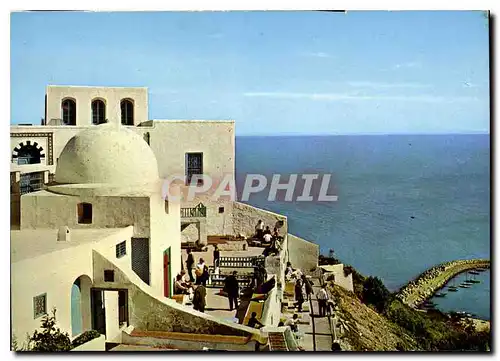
(322, 297)
(299, 294)
(216, 257)
(307, 286)
(259, 230)
(202, 273)
(231, 287)
(190, 264)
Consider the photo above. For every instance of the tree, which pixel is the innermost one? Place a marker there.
(50, 338)
(375, 293)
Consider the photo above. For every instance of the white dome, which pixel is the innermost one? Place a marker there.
(107, 154)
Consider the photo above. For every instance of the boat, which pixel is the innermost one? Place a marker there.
(440, 294)
(473, 272)
(428, 304)
(467, 280)
(452, 288)
(473, 279)
(464, 285)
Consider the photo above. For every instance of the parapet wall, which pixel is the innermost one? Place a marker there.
(302, 254)
(272, 309)
(245, 218)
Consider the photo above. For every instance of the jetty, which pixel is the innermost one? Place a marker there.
(422, 288)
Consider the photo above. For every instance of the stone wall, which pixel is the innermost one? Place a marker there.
(190, 233)
(191, 342)
(245, 218)
(302, 254)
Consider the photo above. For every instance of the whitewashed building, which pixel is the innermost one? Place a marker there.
(92, 231)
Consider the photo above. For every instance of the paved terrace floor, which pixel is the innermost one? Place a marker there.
(217, 305)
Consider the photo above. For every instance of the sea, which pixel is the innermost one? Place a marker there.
(405, 202)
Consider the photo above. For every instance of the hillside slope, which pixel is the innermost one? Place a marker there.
(365, 329)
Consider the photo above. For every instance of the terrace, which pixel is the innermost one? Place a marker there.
(244, 262)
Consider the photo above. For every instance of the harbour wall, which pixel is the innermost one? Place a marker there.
(429, 282)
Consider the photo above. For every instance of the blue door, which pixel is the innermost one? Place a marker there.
(76, 309)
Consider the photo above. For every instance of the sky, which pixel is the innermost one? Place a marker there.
(274, 73)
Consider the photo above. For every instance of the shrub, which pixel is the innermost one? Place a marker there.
(51, 338)
(375, 293)
(85, 337)
(433, 331)
(324, 261)
(348, 270)
(17, 347)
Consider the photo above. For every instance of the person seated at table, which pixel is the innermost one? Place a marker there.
(268, 238)
(185, 279)
(293, 323)
(276, 232)
(267, 231)
(179, 287)
(253, 321)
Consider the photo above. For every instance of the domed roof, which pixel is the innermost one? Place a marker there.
(107, 154)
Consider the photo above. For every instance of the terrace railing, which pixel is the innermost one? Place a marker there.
(199, 211)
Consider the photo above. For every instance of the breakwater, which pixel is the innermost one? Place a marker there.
(429, 282)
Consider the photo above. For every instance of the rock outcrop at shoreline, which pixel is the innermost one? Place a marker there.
(429, 282)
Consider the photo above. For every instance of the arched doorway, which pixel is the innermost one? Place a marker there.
(80, 305)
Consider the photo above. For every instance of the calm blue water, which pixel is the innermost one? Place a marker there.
(442, 181)
(467, 299)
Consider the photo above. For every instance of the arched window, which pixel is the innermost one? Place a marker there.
(68, 107)
(127, 108)
(98, 112)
